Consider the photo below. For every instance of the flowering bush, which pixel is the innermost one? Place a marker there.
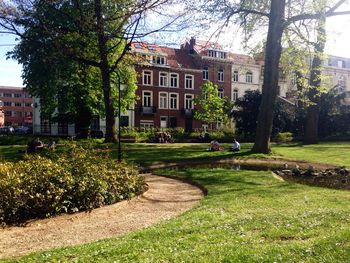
(77, 180)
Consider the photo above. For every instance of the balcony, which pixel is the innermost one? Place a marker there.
(148, 110)
(188, 112)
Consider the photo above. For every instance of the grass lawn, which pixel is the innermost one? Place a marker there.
(247, 217)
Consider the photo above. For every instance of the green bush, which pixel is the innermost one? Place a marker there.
(283, 137)
(78, 180)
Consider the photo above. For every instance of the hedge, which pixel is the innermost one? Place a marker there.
(78, 180)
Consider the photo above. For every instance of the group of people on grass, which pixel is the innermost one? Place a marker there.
(215, 146)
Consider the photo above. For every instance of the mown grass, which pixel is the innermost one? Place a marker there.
(247, 217)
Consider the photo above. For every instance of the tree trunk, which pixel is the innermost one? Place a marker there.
(110, 135)
(311, 129)
(271, 75)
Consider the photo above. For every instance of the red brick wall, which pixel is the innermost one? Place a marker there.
(155, 88)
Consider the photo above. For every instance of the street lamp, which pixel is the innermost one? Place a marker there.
(119, 113)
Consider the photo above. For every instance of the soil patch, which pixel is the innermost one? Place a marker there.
(166, 198)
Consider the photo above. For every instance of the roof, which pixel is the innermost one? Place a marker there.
(176, 58)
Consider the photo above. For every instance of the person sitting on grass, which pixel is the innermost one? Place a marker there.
(236, 146)
(214, 146)
(51, 145)
(35, 145)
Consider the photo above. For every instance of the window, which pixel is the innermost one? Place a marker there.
(62, 128)
(7, 103)
(173, 101)
(147, 77)
(159, 60)
(45, 126)
(189, 101)
(147, 98)
(163, 122)
(18, 113)
(28, 105)
(221, 75)
(235, 95)
(163, 79)
(174, 80)
(8, 113)
(145, 124)
(18, 104)
(8, 95)
(249, 77)
(124, 121)
(205, 73)
(163, 100)
(235, 76)
(341, 64)
(189, 82)
(221, 93)
(341, 83)
(18, 95)
(216, 54)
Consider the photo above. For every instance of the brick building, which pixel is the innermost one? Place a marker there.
(17, 106)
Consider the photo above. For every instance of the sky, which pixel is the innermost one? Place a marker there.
(338, 44)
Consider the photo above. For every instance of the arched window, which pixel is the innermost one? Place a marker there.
(249, 77)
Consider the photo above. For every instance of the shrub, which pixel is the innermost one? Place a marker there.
(282, 137)
(78, 180)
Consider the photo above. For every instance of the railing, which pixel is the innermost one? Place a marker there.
(148, 110)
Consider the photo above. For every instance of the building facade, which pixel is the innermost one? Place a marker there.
(2, 115)
(17, 106)
(170, 78)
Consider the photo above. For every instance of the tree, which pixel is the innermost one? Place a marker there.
(93, 33)
(280, 16)
(246, 111)
(212, 109)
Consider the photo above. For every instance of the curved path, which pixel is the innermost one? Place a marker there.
(165, 199)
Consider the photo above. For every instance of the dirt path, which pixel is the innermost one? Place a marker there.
(165, 199)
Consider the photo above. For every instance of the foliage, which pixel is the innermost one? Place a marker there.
(283, 137)
(49, 184)
(247, 109)
(334, 116)
(212, 108)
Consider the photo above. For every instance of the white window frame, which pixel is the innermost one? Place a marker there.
(234, 94)
(177, 101)
(163, 75)
(146, 124)
(151, 100)
(205, 73)
(172, 74)
(221, 75)
(185, 101)
(166, 100)
(235, 76)
(151, 77)
(192, 82)
(249, 77)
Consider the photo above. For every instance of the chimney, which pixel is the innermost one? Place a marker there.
(192, 43)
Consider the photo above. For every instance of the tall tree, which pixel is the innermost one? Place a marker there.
(281, 14)
(93, 33)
